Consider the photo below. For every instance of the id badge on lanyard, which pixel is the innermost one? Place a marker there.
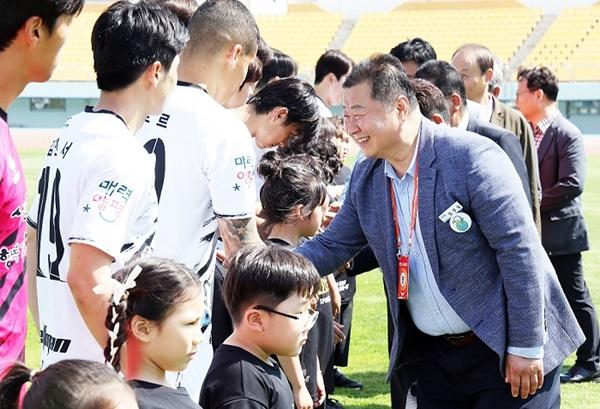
(404, 259)
(403, 263)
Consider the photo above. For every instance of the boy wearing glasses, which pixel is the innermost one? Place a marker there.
(268, 293)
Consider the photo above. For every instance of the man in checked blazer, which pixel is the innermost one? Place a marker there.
(486, 323)
(561, 158)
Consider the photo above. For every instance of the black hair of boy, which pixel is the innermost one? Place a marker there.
(127, 38)
(266, 275)
(280, 65)
(160, 287)
(299, 98)
(415, 49)
(332, 61)
(16, 12)
(218, 23)
(290, 181)
(68, 384)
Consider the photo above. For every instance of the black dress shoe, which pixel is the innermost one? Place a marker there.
(342, 381)
(579, 374)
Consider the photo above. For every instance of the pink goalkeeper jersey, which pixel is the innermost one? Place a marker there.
(13, 283)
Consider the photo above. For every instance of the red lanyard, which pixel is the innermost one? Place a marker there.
(403, 259)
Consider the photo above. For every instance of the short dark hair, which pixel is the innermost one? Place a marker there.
(128, 37)
(483, 55)
(299, 98)
(414, 49)
(280, 65)
(431, 100)
(387, 78)
(183, 9)
(290, 180)
(16, 12)
(160, 286)
(540, 78)
(68, 384)
(444, 76)
(266, 275)
(332, 61)
(218, 23)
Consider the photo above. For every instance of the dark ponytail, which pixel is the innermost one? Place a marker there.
(290, 181)
(68, 384)
(160, 286)
(12, 384)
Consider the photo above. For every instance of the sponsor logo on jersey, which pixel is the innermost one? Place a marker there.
(59, 345)
(112, 200)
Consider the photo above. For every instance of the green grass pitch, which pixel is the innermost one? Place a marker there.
(368, 356)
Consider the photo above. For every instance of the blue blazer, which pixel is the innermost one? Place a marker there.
(496, 276)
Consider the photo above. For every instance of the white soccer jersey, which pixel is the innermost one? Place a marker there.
(205, 170)
(96, 188)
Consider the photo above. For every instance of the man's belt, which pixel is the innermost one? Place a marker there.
(460, 340)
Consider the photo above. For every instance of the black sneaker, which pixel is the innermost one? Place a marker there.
(331, 403)
(342, 381)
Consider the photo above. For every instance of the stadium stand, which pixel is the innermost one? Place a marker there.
(307, 22)
(76, 60)
(304, 33)
(571, 46)
(503, 26)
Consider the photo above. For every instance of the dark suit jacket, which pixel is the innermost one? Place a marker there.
(512, 120)
(517, 295)
(510, 145)
(561, 158)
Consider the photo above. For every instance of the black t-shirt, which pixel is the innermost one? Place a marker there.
(346, 285)
(237, 379)
(320, 338)
(154, 396)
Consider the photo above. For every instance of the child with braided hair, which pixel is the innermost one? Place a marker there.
(68, 384)
(155, 311)
(294, 199)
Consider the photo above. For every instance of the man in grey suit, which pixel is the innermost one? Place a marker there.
(561, 156)
(445, 77)
(474, 299)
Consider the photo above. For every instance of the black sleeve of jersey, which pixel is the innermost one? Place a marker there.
(242, 404)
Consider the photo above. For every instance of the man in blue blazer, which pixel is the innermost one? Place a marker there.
(451, 228)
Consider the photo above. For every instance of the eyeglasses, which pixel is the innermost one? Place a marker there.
(309, 317)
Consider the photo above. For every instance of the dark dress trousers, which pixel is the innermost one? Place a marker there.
(561, 156)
